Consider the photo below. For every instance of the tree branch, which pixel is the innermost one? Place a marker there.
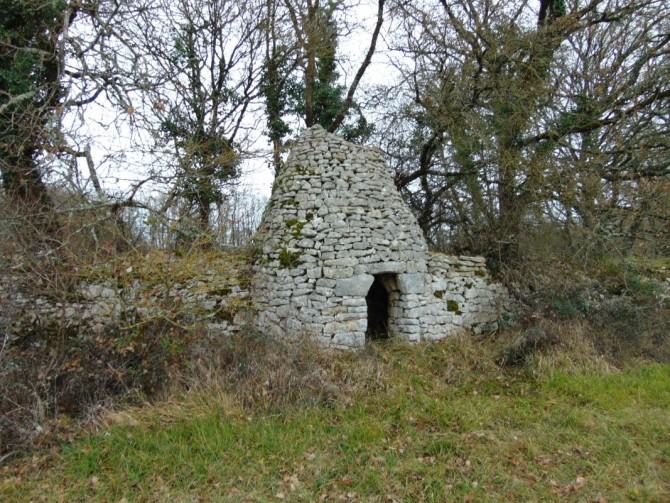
(16, 100)
(359, 75)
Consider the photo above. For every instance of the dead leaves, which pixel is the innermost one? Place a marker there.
(290, 484)
(573, 487)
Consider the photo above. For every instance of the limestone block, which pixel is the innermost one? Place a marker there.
(386, 267)
(293, 326)
(405, 322)
(306, 243)
(338, 272)
(347, 340)
(349, 316)
(411, 283)
(340, 262)
(358, 309)
(95, 292)
(438, 284)
(303, 290)
(354, 302)
(300, 301)
(355, 286)
(343, 327)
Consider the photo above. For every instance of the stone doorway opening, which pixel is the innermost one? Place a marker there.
(377, 301)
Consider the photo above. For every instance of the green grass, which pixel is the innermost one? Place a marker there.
(421, 429)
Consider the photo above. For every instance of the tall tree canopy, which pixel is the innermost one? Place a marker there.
(494, 115)
(30, 92)
(497, 107)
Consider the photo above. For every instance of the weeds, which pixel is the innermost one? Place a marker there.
(266, 373)
(55, 373)
(427, 422)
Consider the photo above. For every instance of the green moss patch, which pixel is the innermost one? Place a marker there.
(453, 307)
(288, 259)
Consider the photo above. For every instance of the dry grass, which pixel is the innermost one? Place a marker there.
(396, 422)
(266, 374)
(573, 352)
(52, 372)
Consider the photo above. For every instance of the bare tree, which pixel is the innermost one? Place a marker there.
(196, 65)
(302, 80)
(491, 117)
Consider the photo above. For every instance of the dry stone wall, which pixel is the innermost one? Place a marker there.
(335, 230)
(458, 295)
(216, 304)
(335, 224)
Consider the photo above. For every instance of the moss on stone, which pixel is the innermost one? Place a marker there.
(452, 307)
(225, 313)
(290, 202)
(296, 225)
(221, 291)
(301, 170)
(253, 253)
(298, 229)
(439, 294)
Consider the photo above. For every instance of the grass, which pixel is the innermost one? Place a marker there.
(435, 422)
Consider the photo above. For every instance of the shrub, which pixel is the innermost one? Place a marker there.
(267, 373)
(570, 303)
(533, 339)
(53, 372)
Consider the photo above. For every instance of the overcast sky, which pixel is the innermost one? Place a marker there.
(122, 153)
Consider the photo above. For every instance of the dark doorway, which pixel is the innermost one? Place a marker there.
(378, 311)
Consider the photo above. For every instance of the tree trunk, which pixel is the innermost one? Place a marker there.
(23, 184)
(510, 210)
(310, 70)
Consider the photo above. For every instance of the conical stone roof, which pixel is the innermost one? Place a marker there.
(336, 202)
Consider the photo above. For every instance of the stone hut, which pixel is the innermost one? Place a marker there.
(341, 257)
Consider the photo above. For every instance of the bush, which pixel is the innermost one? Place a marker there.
(571, 303)
(592, 281)
(550, 346)
(529, 341)
(49, 373)
(267, 373)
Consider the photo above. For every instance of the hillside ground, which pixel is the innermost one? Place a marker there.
(569, 402)
(435, 422)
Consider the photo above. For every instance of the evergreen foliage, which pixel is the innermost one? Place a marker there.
(29, 92)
